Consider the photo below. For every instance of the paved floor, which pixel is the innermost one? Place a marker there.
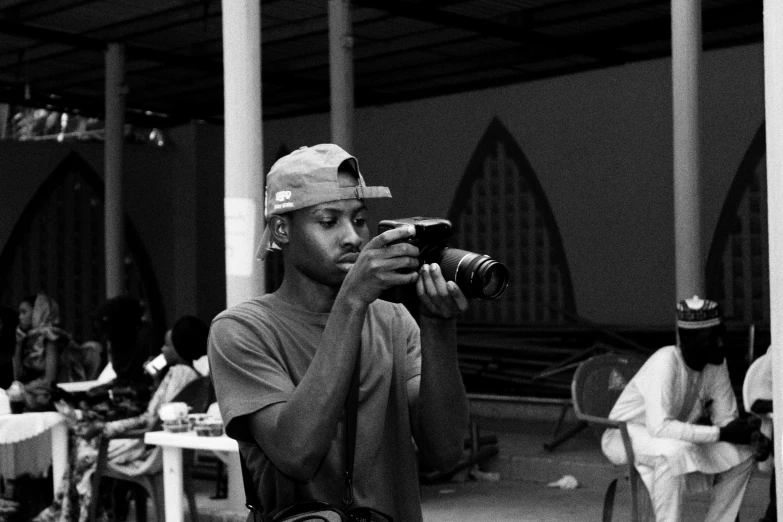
(528, 501)
(521, 494)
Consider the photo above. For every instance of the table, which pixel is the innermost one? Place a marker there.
(15, 428)
(173, 444)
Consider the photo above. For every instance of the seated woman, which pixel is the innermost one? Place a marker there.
(46, 354)
(186, 341)
(39, 342)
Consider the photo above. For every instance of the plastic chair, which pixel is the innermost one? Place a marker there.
(595, 388)
(758, 381)
(758, 385)
(198, 395)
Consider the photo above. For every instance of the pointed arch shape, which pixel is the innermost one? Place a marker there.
(143, 284)
(731, 232)
(549, 275)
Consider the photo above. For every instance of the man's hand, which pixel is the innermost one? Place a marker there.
(89, 429)
(439, 298)
(382, 264)
(738, 431)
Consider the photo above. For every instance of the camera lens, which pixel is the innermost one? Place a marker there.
(478, 276)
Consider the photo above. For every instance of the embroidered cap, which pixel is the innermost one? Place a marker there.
(696, 313)
(307, 177)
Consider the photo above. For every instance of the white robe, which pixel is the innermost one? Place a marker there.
(661, 404)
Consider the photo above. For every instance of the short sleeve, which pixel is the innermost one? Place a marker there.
(412, 338)
(247, 372)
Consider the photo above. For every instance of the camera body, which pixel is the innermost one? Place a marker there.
(478, 276)
(429, 231)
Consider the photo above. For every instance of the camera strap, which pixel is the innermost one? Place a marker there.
(351, 419)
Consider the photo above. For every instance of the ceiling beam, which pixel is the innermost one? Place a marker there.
(570, 11)
(489, 28)
(32, 9)
(132, 51)
(50, 35)
(659, 29)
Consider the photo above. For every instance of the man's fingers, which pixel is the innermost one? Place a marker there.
(390, 236)
(429, 276)
(459, 297)
(438, 280)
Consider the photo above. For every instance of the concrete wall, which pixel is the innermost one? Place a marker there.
(600, 143)
(173, 196)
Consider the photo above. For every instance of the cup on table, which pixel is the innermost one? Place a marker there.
(173, 411)
(175, 417)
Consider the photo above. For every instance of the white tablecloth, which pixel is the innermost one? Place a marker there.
(29, 447)
(24, 426)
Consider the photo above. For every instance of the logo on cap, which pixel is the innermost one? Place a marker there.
(282, 196)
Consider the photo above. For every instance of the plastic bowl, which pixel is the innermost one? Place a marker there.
(209, 429)
(176, 426)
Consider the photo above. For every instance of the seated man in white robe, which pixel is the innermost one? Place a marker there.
(665, 404)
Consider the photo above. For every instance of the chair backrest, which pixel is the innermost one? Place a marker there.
(197, 394)
(758, 381)
(598, 383)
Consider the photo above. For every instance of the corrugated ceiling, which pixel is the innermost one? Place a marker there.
(51, 51)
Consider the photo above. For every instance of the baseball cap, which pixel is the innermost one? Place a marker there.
(307, 177)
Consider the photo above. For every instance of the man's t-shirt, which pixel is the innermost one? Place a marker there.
(260, 350)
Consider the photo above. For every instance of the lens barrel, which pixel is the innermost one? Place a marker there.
(478, 276)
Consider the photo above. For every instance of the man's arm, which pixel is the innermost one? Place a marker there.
(440, 406)
(724, 402)
(661, 398)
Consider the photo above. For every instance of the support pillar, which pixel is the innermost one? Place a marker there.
(341, 73)
(686, 56)
(113, 145)
(244, 165)
(773, 97)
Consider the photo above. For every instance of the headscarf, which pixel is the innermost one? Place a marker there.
(121, 319)
(46, 312)
(189, 337)
(43, 331)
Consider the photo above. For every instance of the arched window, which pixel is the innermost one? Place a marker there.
(501, 210)
(738, 263)
(57, 247)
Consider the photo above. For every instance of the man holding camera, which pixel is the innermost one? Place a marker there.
(682, 419)
(283, 363)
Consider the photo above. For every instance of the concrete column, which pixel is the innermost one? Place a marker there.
(773, 96)
(244, 166)
(113, 144)
(341, 72)
(686, 55)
